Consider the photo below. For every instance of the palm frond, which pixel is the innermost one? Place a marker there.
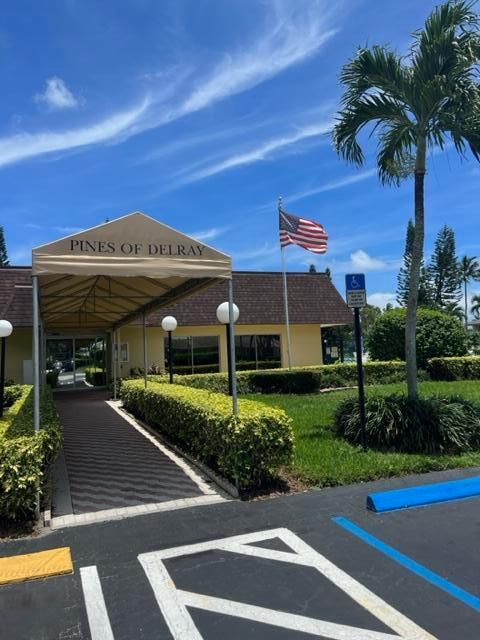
(395, 159)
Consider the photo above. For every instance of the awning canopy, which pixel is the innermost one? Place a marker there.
(108, 275)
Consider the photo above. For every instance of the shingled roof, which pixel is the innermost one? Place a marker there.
(313, 299)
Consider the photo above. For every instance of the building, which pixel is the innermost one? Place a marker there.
(82, 314)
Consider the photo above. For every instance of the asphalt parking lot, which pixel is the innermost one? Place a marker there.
(284, 568)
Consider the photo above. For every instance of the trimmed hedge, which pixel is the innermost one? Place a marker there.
(435, 424)
(25, 456)
(247, 449)
(466, 368)
(296, 381)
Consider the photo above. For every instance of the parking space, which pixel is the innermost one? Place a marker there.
(282, 569)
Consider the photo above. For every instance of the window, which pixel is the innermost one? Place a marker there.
(195, 354)
(258, 352)
(123, 349)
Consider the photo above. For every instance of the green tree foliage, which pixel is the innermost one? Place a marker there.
(443, 270)
(476, 307)
(368, 315)
(469, 270)
(438, 334)
(413, 104)
(3, 250)
(403, 278)
(312, 269)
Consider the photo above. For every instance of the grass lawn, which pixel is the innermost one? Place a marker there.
(323, 459)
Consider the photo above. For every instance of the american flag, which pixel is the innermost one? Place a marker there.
(306, 233)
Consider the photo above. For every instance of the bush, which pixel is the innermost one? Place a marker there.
(438, 335)
(25, 456)
(95, 376)
(297, 380)
(467, 368)
(248, 448)
(11, 394)
(424, 425)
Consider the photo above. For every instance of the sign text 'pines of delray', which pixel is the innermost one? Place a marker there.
(135, 248)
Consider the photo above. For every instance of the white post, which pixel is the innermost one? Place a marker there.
(287, 317)
(36, 355)
(232, 347)
(145, 358)
(114, 362)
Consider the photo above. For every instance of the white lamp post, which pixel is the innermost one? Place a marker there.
(169, 324)
(5, 330)
(223, 316)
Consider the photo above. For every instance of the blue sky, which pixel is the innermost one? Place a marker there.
(201, 114)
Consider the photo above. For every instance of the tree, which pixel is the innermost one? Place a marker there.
(414, 105)
(443, 270)
(368, 314)
(328, 272)
(3, 250)
(468, 269)
(438, 335)
(312, 269)
(403, 278)
(476, 307)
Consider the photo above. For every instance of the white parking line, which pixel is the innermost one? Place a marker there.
(174, 602)
(98, 619)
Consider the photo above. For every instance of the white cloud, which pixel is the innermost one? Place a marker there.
(27, 145)
(333, 185)
(362, 261)
(382, 299)
(208, 234)
(57, 95)
(291, 37)
(262, 152)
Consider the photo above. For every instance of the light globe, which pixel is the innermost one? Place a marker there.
(6, 328)
(169, 323)
(223, 315)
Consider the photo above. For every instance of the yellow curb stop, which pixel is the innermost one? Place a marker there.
(32, 566)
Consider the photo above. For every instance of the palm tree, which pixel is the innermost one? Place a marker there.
(476, 306)
(468, 269)
(414, 105)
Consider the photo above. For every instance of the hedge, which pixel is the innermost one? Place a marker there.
(247, 449)
(297, 380)
(466, 368)
(25, 456)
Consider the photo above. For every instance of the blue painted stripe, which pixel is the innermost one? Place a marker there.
(413, 566)
(423, 495)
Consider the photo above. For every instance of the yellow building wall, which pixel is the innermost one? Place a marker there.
(19, 348)
(306, 343)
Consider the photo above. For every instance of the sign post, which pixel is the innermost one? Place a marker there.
(356, 300)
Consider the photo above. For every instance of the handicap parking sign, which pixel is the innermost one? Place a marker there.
(356, 290)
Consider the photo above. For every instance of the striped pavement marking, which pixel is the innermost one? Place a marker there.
(33, 566)
(98, 620)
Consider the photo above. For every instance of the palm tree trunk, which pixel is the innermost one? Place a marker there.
(466, 305)
(414, 280)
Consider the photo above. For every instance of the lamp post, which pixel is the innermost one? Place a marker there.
(169, 324)
(223, 316)
(5, 330)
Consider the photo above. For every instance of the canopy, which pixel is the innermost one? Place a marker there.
(106, 276)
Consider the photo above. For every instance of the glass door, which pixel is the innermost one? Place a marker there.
(76, 363)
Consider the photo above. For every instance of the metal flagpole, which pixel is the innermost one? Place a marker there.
(145, 359)
(285, 297)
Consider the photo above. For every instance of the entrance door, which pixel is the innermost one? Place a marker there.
(74, 363)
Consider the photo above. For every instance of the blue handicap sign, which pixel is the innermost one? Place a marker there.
(355, 282)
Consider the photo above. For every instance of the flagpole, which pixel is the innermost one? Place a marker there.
(285, 297)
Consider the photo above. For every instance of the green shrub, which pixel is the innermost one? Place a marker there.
(95, 376)
(25, 456)
(297, 380)
(467, 368)
(11, 394)
(424, 425)
(438, 335)
(247, 449)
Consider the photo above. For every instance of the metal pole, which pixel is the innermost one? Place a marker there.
(114, 362)
(170, 356)
(232, 348)
(361, 389)
(145, 359)
(287, 317)
(229, 359)
(36, 355)
(2, 376)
